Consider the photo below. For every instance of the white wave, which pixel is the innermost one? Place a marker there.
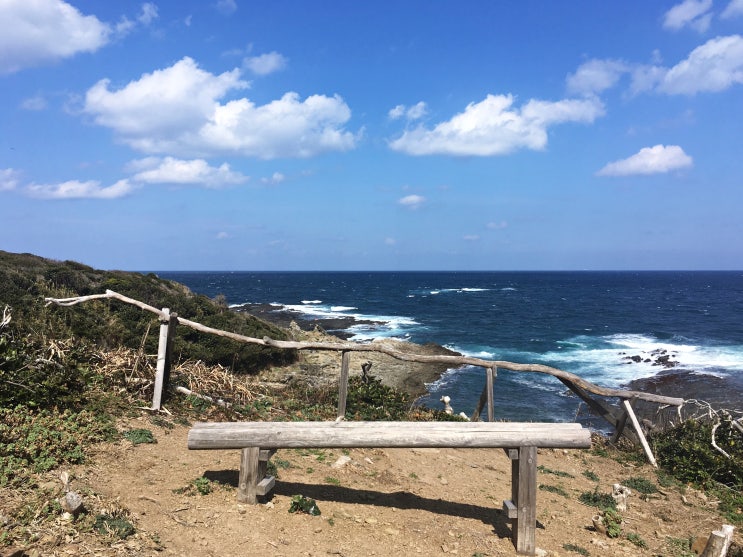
(312, 301)
(342, 308)
(472, 353)
(606, 360)
(508, 289)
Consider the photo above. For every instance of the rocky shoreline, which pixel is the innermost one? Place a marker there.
(412, 377)
(316, 367)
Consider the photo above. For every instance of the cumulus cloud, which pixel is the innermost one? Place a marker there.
(74, 189)
(712, 67)
(170, 170)
(35, 32)
(659, 159)
(9, 179)
(595, 76)
(733, 9)
(389, 241)
(415, 112)
(177, 111)
(470, 237)
(265, 64)
(497, 225)
(412, 201)
(689, 13)
(495, 127)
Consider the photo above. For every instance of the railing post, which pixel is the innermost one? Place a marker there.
(343, 383)
(164, 357)
(489, 380)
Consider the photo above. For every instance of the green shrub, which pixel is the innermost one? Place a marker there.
(369, 399)
(302, 504)
(602, 501)
(114, 526)
(641, 485)
(139, 436)
(45, 439)
(554, 489)
(685, 451)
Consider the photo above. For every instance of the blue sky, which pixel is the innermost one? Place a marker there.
(335, 135)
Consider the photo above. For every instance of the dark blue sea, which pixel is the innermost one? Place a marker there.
(586, 323)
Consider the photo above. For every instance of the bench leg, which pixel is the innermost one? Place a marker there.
(249, 475)
(524, 497)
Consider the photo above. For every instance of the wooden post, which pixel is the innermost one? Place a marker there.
(489, 379)
(524, 498)
(249, 475)
(719, 542)
(621, 425)
(163, 359)
(640, 434)
(343, 384)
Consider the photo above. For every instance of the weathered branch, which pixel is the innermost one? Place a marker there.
(453, 361)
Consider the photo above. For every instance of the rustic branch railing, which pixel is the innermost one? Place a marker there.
(615, 416)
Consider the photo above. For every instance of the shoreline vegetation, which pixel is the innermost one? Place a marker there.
(74, 382)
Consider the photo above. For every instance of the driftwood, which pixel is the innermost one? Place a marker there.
(453, 361)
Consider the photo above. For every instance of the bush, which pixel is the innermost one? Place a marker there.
(369, 399)
(686, 452)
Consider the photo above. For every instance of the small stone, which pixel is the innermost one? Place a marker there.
(341, 462)
(71, 502)
(318, 530)
(368, 460)
(371, 520)
(241, 509)
(444, 481)
(391, 531)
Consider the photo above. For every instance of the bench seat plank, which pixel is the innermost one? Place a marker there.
(283, 435)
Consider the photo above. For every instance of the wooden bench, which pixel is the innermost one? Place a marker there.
(259, 440)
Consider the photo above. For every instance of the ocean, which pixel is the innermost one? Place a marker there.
(587, 323)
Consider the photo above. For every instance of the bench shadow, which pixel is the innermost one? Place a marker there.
(492, 516)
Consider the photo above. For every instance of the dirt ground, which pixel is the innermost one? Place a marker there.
(381, 502)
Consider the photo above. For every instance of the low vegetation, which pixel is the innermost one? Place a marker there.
(62, 390)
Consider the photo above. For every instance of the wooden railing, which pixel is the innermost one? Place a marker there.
(617, 417)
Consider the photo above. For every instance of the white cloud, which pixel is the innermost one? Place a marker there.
(169, 170)
(415, 112)
(412, 201)
(9, 179)
(146, 16)
(649, 160)
(714, 66)
(470, 237)
(389, 241)
(497, 225)
(75, 189)
(34, 32)
(35, 103)
(691, 13)
(222, 235)
(226, 7)
(494, 127)
(595, 76)
(275, 179)
(265, 63)
(177, 111)
(733, 9)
